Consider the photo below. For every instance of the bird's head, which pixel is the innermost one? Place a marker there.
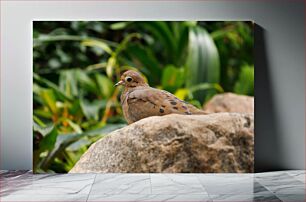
(131, 79)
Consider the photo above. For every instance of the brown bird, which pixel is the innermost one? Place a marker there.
(139, 100)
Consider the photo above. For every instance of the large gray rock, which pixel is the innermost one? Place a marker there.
(221, 142)
(230, 102)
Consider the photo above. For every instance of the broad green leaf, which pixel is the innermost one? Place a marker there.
(163, 35)
(49, 99)
(91, 110)
(85, 81)
(105, 85)
(111, 63)
(182, 93)
(36, 88)
(203, 65)
(196, 103)
(43, 130)
(188, 92)
(76, 146)
(105, 129)
(206, 86)
(63, 141)
(95, 43)
(173, 78)
(101, 65)
(51, 85)
(126, 40)
(37, 123)
(209, 88)
(74, 107)
(68, 83)
(49, 139)
(245, 84)
(120, 25)
(148, 60)
(49, 38)
(74, 126)
(182, 44)
(43, 113)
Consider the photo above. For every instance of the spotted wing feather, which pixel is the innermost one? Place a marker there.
(147, 102)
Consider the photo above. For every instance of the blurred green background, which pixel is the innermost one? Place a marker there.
(76, 64)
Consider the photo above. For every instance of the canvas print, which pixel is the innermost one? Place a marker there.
(143, 97)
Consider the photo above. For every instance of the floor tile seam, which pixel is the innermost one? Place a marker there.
(209, 197)
(94, 180)
(275, 194)
(150, 183)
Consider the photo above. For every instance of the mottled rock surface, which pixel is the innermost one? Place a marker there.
(220, 142)
(230, 102)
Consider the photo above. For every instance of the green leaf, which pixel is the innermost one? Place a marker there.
(43, 113)
(63, 141)
(163, 34)
(206, 86)
(182, 44)
(91, 110)
(95, 43)
(36, 88)
(49, 136)
(51, 85)
(68, 83)
(182, 93)
(105, 85)
(196, 103)
(108, 128)
(146, 57)
(120, 25)
(124, 43)
(49, 99)
(85, 81)
(245, 83)
(49, 38)
(173, 78)
(203, 65)
(76, 146)
(74, 126)
(39, 123)
(44, 130)
(111, 63)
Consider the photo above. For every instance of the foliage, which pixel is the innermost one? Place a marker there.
(203, 65)
(77, 63)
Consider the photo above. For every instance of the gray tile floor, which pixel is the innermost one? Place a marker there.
(272, 186)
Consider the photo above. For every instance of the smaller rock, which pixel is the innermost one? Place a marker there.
(230, 102)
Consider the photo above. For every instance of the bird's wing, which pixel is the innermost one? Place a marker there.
(147, 102)
(180, 106)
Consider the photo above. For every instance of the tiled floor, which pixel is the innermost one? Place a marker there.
(273, 186)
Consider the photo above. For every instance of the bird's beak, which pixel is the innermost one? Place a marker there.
(119, 83)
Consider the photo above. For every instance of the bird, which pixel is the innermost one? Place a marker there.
(139, 100)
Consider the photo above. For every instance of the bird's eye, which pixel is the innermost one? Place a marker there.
(128, 79)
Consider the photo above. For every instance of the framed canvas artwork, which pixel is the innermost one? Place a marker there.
(143, 96)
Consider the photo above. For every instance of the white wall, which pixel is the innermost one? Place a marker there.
(280, 62)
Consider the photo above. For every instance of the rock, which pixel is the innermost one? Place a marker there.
(220, 142)
(230, 102)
